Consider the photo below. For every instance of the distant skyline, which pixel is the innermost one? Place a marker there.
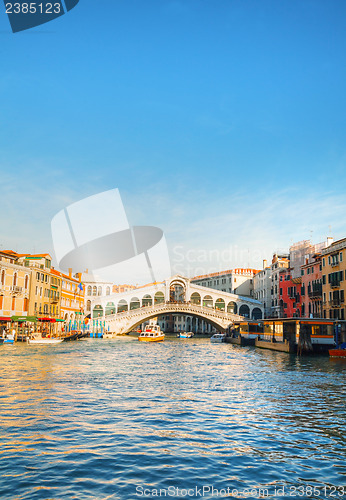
(223, 123)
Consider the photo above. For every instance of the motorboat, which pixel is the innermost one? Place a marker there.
(218, 337)
(152, 333)
(339, 351)
(185, 335)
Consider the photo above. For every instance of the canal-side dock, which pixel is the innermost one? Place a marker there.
(286, 346)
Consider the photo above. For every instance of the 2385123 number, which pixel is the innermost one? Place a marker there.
(33, 8)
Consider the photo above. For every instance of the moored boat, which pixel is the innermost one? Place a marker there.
(152, 333)
(218, 337)
(185, 335)
(337, 353)
(39, 340)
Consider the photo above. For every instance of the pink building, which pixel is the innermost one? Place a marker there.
(311, 292)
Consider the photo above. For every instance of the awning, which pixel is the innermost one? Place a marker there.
(57, 320)
(32, 319)
(49, 320)
(4, 318)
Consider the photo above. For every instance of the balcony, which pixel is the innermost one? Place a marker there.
(335, 284)
(335, 263)
(335, 302)
(16, 289)
(315, 293)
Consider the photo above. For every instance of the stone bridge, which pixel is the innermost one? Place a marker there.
(123, 312)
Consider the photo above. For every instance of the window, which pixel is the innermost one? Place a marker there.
(89, 290)
(13, 305)
(323, 261)
(108, 290)
(15, 279)
(340, 256)
(2, 277)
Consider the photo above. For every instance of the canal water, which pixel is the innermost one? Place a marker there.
(121, 419)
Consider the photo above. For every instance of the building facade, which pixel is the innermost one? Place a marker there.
(15, 281)
(311, 290)
(262, 284)
(334, 280)
(238, 281)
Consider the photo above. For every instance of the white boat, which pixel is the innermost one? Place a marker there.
(152, 333)
(218, 337)
(184, 335)
(43, 341)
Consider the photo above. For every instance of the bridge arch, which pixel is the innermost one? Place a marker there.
(135, 303)
(232, 307)
(256, 313)
(207, 301)
(122, 306)
(147, 300)
(195, 298)
(220, 304)
(159, 298)
(244, 310)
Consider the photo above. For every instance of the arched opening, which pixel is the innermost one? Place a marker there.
(220, 304)
(89, 290)
(88, 305)
(232, 307)
(135, 303)
(94, 291)
(195, 299)
(110, 308)
(177, 291)
(207, 301)
(256, 313)
(244, 311)
(159, 298)
(122, 306)
(99, 290)
(147, 301)
(108, 290)
(97, 312)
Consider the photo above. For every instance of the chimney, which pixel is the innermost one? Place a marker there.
(330, 240)
(70, 272)
(264, 263)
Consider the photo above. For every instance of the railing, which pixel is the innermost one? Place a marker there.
(336, 302)
(16, 289)
(335, 263)
(335, 284)
(172, 308)
(315, 293)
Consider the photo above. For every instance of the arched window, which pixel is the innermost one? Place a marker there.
(244, 311)
(108, 290)
(26, 304)
(99, 290)
(220, 304)
(88, 305)
(232, 307)
(15, 279)
(122, 306)
(207, 301)
(89, 290)
(3, 277)
(26, 282)
(256, 313)
(94, 290)
(147, 301)
(159, 298)
(195, 299)
(135, 303)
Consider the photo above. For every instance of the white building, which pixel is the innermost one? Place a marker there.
(94, 288)
(262, 284)
(238, 281)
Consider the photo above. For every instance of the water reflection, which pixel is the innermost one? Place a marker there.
(94, 419)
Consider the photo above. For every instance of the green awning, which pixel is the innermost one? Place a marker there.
(32, 319)
(59, 320)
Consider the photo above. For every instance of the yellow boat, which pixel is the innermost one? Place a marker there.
(152, 333)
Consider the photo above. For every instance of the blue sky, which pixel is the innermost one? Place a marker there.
(220, 121)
